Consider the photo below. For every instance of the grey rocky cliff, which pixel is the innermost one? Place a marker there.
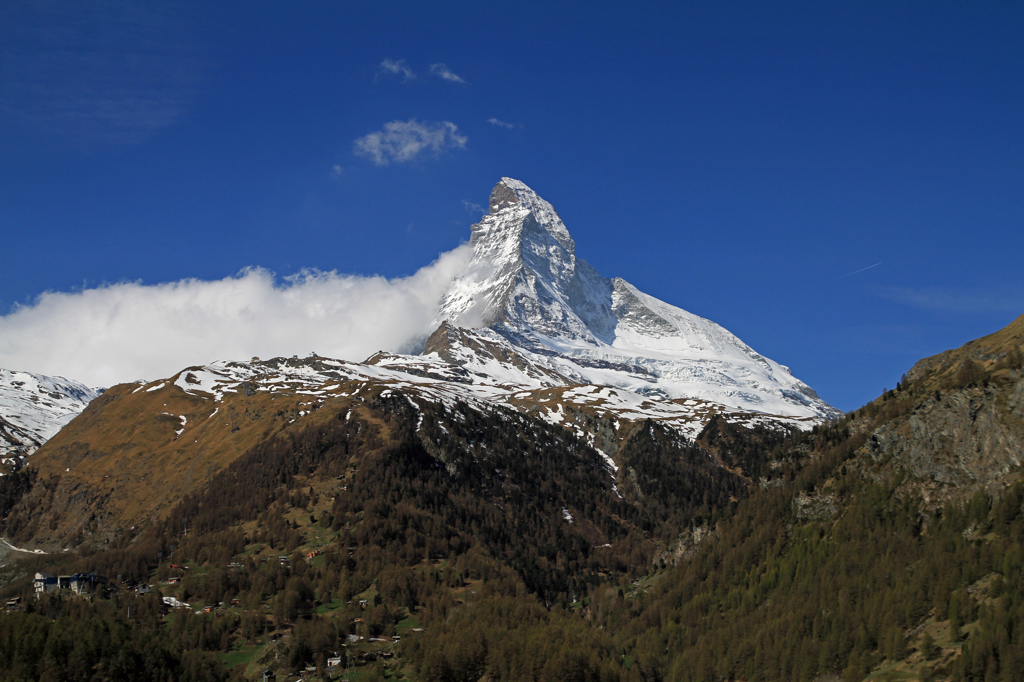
(963, 439)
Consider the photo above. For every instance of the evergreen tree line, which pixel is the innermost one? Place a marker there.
(780, 597)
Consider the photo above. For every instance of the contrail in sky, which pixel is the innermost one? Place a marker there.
(856, 271)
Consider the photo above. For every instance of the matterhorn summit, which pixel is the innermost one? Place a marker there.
(527, 325)
(524, 279)
(526, 284)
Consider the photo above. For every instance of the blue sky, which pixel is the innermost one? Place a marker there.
(749, 162)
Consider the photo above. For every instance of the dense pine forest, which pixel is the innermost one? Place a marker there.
(458, 544)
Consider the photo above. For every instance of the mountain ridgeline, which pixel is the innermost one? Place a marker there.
(527, 326)
(574, 481)
(526, 315)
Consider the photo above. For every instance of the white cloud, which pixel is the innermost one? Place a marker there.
(126, 331)
(501, 124)
(404, 140)
(473, 208)
(997, 300)
(442, 71)
(336, 171)
(397, 67)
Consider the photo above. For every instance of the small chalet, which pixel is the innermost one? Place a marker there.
(45, 582)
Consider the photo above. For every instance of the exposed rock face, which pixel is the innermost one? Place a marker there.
(960, 418)
(969, 437)
(466, 348)
(686, 546)
(817, 506)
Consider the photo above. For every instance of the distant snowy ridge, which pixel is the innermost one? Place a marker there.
(34, 407)
(525, 283)
(491, 375)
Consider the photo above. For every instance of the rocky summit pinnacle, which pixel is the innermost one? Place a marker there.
(525, 282)
(524, 277)
(503, 195)
(515, 195)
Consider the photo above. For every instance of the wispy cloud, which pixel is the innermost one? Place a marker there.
(397, 67)
(97, 73)
(501, 124)
(1000, 302)
(471, 208)
(442, 71)
(121, 332)
(404, 140)
(337, 171)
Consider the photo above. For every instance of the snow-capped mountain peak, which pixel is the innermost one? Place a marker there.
(526, 283)
(527, 324)
(513, 195)
(524, 276)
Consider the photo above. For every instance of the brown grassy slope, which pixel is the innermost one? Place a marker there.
(993, 353)
(121, 464)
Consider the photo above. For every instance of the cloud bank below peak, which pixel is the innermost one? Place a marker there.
(126, 331)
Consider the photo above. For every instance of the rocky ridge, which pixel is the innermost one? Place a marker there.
(955, 423)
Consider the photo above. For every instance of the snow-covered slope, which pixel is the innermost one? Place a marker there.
(492, 373)
(526, 284)
(527, 324)
(34, 407)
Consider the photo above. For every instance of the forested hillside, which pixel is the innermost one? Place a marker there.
(420, 514)
(457, 543)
